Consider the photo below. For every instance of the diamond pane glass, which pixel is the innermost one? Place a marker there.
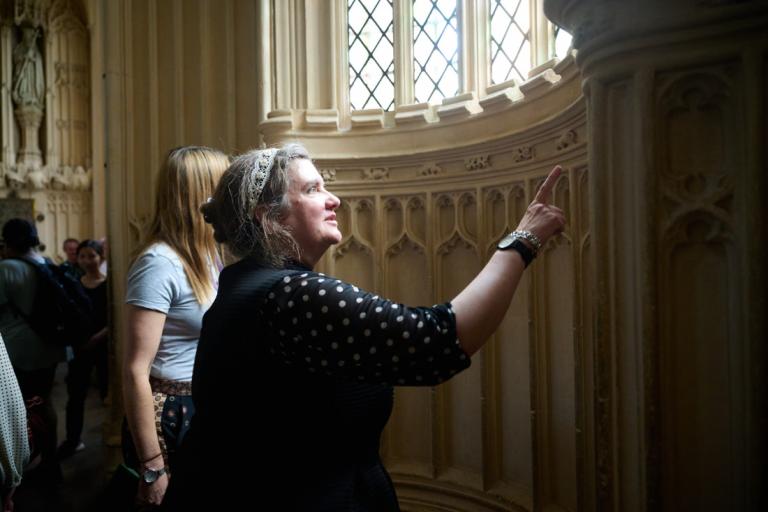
(371, 54)
(562, 42)
(435, 50)
(510, 40)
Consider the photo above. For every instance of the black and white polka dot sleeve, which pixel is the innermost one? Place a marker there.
(328, 326)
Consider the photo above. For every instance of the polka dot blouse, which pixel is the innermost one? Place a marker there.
(325, 325)
(14, 448)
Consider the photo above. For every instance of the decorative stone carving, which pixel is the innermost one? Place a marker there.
(60, 178)
(375, 173)
(430, 170)
(81, 179)
(444, 201)
(38, 178)
(352, 244)
(455, 241)
(44, 178)
(14, 179)
(523, 153)
(467, 199)
(567, 139)
(328, 175)
(477, 162)
(29, 119)
(405, 242)
(392, 204)
(31, 12)
(697, 187)
(415, 203)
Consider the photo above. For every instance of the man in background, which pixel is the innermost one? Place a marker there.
(70, 265)
(34, 361)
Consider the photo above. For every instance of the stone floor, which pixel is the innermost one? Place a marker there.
(84, 476)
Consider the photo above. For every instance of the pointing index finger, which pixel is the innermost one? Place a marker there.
(545, 191)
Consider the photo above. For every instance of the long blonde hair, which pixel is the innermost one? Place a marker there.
(186, 180)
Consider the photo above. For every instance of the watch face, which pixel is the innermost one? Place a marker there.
(506, 242)
(150, 475)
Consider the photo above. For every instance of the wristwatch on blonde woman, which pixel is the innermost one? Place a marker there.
(150, 475)
(514, 241)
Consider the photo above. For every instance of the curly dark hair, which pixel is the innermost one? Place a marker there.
(250, 226)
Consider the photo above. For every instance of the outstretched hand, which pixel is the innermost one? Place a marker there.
(541, 218)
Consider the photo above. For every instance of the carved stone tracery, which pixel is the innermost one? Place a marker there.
(48, 99)
(477, 162)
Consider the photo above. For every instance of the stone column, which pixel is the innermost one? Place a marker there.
(309, 58)
(29, 118)
(677, 116)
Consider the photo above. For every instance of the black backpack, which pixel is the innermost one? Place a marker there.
(61, 311)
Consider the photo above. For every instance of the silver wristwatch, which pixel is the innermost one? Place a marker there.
(151, 475)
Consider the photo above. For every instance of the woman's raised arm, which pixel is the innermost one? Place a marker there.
(481, 306)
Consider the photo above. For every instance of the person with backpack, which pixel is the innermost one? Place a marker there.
(90, 354)
(33, 358)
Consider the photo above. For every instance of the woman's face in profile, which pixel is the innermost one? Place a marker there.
(312, 209)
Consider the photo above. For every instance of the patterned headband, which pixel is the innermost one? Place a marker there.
(261, 169)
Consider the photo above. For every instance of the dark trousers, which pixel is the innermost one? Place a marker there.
(40, 383)
(78, 382)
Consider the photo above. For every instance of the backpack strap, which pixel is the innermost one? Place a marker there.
(13, 306)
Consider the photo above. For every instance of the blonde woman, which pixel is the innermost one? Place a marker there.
(171, 284)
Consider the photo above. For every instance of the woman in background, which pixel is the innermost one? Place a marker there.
(90, 255)
(171, 284)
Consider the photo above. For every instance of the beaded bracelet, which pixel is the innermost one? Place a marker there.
(530, 237)
(151, 458)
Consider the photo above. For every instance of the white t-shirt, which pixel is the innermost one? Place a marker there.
(157, 281)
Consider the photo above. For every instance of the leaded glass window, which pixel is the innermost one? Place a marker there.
(371, 54)
(510, 40)
(435, 50)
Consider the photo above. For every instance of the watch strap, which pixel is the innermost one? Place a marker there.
(525, 252)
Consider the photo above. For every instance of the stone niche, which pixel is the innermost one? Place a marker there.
(45, 119)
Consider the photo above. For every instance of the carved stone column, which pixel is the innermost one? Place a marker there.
(676, 105)
(309, 59)
(29, 118)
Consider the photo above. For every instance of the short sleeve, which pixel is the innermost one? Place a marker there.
(329, 326)
(152, 283)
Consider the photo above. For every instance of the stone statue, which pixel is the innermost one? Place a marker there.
(37, 178)
(15, 179)
(61, 178)
(81, 179)
(28, 80)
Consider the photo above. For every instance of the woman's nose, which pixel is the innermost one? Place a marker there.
(334, 201)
